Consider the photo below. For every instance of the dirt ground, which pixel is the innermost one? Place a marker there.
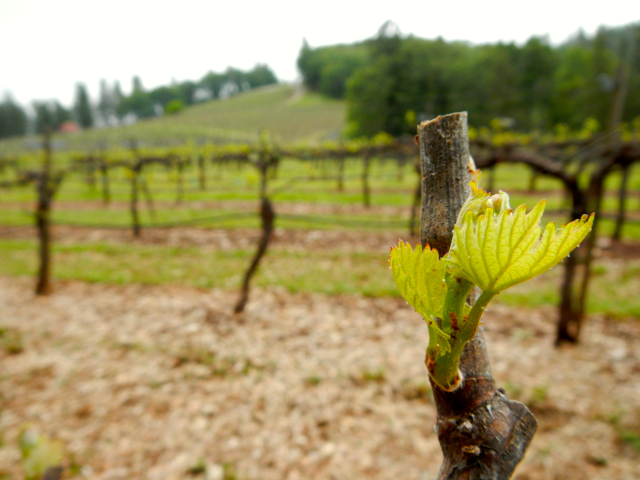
(147, 382)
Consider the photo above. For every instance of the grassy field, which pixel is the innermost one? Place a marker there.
(306, 198)
(322, 271)
(288, 114)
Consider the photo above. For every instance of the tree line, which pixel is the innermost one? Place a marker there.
(113, 107)
(391, 82)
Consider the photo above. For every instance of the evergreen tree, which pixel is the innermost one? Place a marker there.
(13, 120)
(138, 103)
(106, 104)
(117, 99)
(44, 117)
(137, 84)
(82, 107)
(260, 75)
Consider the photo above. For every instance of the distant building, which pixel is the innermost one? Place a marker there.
(69, 127)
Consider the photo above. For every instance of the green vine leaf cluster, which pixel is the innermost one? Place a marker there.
(494, 247)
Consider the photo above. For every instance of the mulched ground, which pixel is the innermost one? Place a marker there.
(146, 382)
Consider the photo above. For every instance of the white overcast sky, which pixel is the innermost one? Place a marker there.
(47, 46)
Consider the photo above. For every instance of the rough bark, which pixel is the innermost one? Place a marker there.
(483, 434)
(444, 158)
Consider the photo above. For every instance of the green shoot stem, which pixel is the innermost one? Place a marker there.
(444, 368)
(475, 315)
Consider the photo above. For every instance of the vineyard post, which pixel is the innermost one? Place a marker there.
(483, 435)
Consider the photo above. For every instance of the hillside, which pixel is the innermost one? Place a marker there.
(288, 114)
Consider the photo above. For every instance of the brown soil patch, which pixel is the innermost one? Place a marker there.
(143, 382)
(219, 238)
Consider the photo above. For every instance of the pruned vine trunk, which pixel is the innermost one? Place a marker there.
(148, 198)
(135, 220)
(622, 202)
(104, 174)
(44, 235)
(47, 184)
(577, 275)
(180, 181)
(340, 176)
(202, 172)
(366, 191)
(267, 217)
(533, 180)
(483, 434)
(569, 319)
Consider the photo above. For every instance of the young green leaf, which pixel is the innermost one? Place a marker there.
(419, 276)
(496, 252)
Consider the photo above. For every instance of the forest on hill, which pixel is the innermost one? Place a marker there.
(115, 108)
(392, 81)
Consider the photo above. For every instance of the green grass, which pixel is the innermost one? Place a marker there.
(218, 218)
(279, 109)
(613, 289)
(329, 272)
(332, 272)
